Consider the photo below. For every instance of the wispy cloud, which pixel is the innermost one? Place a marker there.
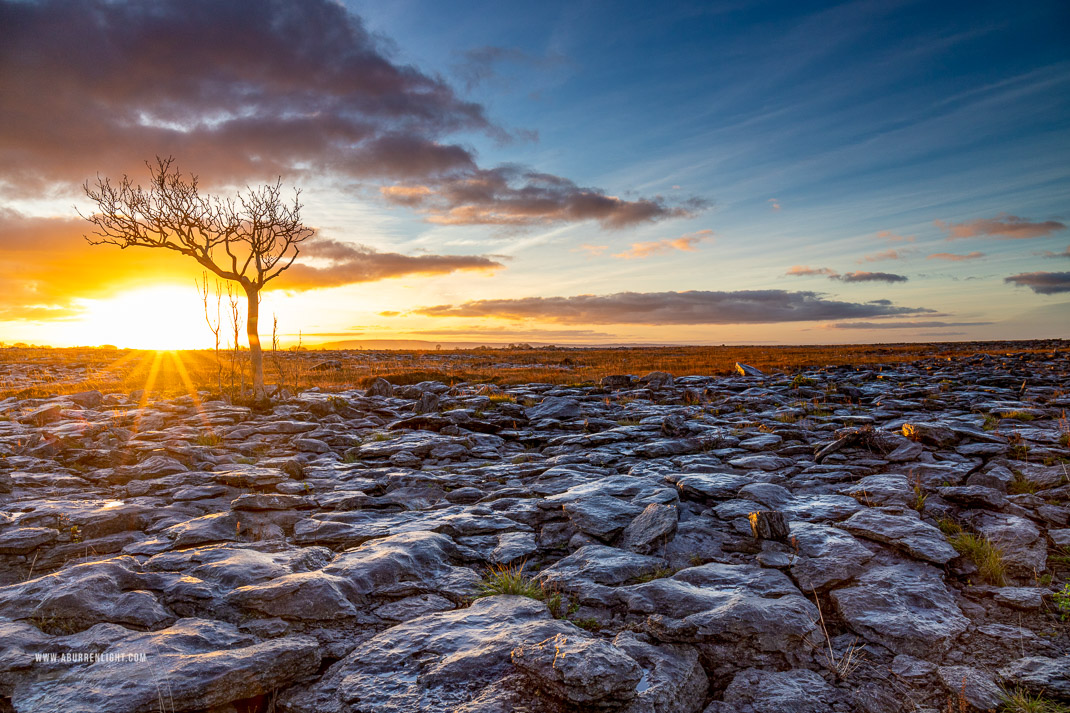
(1042, 283)
(975, 255)
(1003, 226)
(1064, 253)
(806, 270)
(685, 243)
(869, 277)
(895, 237)
(885, 255)
(591, 250)
(660, 308)
(902, 325)
(515, 196)
(482, 65)
(774, 205)
(350, 263)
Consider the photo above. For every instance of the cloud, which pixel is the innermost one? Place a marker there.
(806, 270)
(516, 196)
(869, 277)
(895, 238)
(350, 263)
(660, 308)
(1004, 226)
(48, 265)
(685, 243)
(774, 205)
(1064, 253)
(1042, 283)
(885, 255)
(480, 65)
(902, 325)
(242, 92)
(956, 258)
(591, 250)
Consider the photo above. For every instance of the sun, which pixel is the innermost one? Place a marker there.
(164, 317)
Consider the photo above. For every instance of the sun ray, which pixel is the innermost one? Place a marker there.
(150, 381)
(180, 367)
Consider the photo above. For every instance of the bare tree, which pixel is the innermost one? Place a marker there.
(250, 239)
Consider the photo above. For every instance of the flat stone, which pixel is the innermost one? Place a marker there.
(580, 670)
(711, 486)
(903, 530)
(601, 516)
(905, 607)
(601, 565)
(977, 687)
(1040, 676)
(651, 528)
(193, 665)
(757, 691)
(436, 663)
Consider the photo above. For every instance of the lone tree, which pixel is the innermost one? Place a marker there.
(250, 239)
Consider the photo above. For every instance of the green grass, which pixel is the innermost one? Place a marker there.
(949, 527)
(1021, 701)
(1062, 601)
(659, 573)
(590, 624)
(991, 422)
(801, 380)
(1021, 485)
(502, 579)
(501, 399)
(1020, 416)
(984, 554)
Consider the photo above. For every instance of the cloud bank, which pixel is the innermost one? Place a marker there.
(660, 308)
(1042, 283)
(952, 257)
(241, 92)
(1003, 226)
(807, 271)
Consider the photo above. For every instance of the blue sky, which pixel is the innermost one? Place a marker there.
(845, 138)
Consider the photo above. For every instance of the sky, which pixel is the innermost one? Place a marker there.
(554, 172)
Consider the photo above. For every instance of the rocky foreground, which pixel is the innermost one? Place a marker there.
(854, 539)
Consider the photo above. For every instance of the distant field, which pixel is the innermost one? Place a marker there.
(36, 372)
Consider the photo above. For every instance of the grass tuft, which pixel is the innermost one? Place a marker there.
(1021, 701)
(502, 579)
(983, 553)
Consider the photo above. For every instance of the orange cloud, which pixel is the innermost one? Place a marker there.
(591, 250)
(885, 255)
(895, 238)
(956, 258)
(685, 243)
(48, 266)
(806, 270)
(1007, 227)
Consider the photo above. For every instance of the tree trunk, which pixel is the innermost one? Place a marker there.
(256, 356)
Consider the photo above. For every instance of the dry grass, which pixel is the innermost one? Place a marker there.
(983, 553)
(47, 371)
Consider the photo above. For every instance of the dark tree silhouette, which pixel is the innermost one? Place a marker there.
(250, 239)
